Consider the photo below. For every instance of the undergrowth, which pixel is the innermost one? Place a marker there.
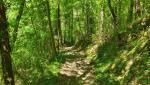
(125, 65)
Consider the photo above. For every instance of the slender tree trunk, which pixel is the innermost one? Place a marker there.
(89, 22)
(119, 14)
(101, 22)
(5, 47)
(130, 11)
(65, 32)
(52, 43)
(138, 8)
(113, 13)
(69, 30)
(72, 26)
(59, 32)
(18, 18)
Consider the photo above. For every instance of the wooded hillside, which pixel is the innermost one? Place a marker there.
(75, 42)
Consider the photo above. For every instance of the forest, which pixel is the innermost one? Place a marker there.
(75, 42)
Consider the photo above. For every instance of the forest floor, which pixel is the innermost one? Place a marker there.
(77, 70)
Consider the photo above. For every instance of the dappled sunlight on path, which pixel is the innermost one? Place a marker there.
(77, 69)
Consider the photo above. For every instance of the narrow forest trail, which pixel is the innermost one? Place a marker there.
(77, 71)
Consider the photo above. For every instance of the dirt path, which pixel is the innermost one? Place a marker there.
(77, 71)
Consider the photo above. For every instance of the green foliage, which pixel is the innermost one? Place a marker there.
(123, 49)
(121, 65)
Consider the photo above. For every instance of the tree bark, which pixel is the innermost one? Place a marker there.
(59, 32)
(52, 40)
(5, 47)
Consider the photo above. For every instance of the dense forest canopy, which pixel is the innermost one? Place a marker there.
(75, 42)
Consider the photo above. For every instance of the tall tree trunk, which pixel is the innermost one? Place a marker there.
(101, 22)
(18, 18)
(52, 40)
(119, 11)
(114, 15)
(138, 8)
(112, 12)
(72, 26)
(89, 22)
(59, 32)
(5, 47)
(130, 11)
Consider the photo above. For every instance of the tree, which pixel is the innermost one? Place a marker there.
(89, 21)
(114, 15)
(18, 18)
(52, 40)
(130, 14)
(5, 47)
(59, 32)
(138, 8)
